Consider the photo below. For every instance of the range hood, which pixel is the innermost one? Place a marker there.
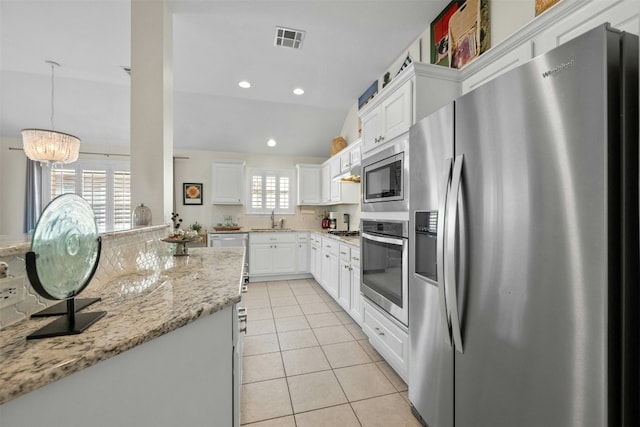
(351, 176)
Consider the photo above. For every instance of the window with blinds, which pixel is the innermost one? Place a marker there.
(270, 190)
(121, 200)
(106, 185)
(62, 181)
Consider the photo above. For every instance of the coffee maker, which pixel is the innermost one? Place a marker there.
(339, 221)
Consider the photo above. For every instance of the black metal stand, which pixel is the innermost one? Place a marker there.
(69, 324)
(61, 308)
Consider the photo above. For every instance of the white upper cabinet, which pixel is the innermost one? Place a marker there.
(325, 185)
(563, 22)
(417, 91)
(227, 183)
(309, 184)
(349, 157)
(392, 118)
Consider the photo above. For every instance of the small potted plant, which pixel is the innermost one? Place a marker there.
(196, 226)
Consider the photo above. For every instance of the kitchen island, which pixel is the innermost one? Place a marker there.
(163, 355)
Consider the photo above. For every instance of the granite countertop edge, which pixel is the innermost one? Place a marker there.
(59, 357)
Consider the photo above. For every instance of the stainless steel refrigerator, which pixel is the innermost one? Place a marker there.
(524, 258)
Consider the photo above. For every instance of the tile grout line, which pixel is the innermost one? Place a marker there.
(322, 349)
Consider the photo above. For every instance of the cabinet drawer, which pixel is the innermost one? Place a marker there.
(303, 237)
(391, 341)
(345, 253)
(315, 239)
(285, 237)
(331, 246)
(355, 257)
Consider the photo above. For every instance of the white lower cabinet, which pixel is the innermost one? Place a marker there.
(303, 253)
(330, 274)
(183, 378)
(355, 309)
(344, 292)
(336, 266)
(387, 337)
(315, 256)
(272, 253)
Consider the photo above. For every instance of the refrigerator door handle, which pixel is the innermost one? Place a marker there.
(450, 272)
(440, 267)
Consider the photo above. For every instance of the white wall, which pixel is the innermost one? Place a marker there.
(506, 17)
(13, 167)
(189, 166)
(197, 168)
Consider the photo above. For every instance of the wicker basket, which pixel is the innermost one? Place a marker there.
(337, 145)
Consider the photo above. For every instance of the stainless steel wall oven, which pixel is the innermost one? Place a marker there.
(384, 266)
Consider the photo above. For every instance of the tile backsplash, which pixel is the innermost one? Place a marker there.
(304, 218)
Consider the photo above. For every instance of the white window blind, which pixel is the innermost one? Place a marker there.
(121, 200)
(94, 191)
(105, 184)
(270, 190)
(62, 181)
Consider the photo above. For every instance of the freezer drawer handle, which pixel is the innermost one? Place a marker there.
(450, 272)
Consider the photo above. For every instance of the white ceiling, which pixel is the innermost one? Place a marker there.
(348, 45)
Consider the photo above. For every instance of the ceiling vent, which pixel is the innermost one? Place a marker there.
(288, 37)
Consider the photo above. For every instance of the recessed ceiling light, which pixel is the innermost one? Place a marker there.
(271, 142)
(244, 84)
(298, 91)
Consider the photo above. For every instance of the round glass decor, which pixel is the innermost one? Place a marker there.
(66, 243)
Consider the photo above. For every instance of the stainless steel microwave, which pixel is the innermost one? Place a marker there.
(385, 177)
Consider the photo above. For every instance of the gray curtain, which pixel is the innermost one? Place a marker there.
(33, 195)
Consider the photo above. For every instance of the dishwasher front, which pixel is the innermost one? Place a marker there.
(238, 240)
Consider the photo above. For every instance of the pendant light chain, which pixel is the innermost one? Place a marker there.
(52, 96)
(53, 65)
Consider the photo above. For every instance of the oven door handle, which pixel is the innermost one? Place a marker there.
(381, 239)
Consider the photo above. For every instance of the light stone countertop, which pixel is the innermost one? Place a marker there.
(352, 240)
(170, 293)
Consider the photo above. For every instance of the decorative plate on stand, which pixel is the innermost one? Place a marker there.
(64, 256)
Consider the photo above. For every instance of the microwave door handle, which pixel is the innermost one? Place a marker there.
(442, 205)
(381, 239)
(452, 212)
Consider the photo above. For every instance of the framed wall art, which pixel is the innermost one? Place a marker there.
(368, 94)
(460, 33)
(440, 34)
(191, 193)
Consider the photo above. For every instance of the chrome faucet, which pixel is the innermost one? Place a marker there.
(273, 218)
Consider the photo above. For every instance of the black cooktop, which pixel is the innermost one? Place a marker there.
(344, 233)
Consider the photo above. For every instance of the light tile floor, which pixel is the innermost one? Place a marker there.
(306, 363)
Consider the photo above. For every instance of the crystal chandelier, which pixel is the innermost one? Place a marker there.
(50, 146)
